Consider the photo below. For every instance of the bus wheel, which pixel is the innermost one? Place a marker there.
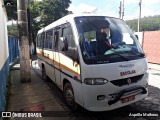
(69, 96)
(44, 76)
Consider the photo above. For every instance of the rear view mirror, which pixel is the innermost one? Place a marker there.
(137, 37)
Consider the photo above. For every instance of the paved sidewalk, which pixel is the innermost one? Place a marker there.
(33, 96)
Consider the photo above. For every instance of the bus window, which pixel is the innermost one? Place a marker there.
(68, 35)
(38, 41)
(56, 38)
(42, 40)
(46, 42)
(49, 38)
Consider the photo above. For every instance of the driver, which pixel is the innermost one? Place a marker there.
(103, 43)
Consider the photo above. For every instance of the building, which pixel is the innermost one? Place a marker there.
(4, 56)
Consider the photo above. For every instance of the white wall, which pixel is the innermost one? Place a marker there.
(3, 35)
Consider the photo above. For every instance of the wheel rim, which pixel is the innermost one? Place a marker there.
(69, 96)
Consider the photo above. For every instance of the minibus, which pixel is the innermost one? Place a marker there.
(96, 61)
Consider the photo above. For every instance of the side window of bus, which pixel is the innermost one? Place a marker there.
(49, 38)
(67, 34)
(39, 41)
(42, 40)
(56, 39)
(45, 42)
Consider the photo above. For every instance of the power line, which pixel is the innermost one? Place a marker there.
(134, 9)
(131, 12)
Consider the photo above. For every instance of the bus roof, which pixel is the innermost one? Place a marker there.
(65, 19)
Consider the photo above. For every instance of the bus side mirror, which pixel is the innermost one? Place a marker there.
(137, 37)
(63, 44)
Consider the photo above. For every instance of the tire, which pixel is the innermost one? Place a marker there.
(69, 97)
(44, 75)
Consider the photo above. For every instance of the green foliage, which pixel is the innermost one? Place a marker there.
(52, 10)
(150, 23)
(44, 12)
(47, 11)
(34, 8)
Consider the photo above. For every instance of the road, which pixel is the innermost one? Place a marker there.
(151, 104)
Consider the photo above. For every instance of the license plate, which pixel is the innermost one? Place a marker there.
(127, 99)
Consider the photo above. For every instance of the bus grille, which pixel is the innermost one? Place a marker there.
(127, 81)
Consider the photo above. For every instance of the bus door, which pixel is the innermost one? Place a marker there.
(56, 58)
(68, 53)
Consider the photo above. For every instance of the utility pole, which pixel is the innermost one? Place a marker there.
(140, 2)
(120, 10)
(25, 73)
(123, 10)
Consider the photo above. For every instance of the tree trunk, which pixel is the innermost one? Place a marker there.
(25, 73)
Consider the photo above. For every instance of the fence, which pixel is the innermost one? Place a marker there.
(13, 48)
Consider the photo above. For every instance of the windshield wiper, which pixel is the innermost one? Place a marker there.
(123, 57)
(133, 52)
(109, 55)
(136, 52)
(118, 54)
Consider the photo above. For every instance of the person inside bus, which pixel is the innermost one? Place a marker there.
(103, 43)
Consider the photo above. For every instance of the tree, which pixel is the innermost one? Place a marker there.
(150, 23)
(52, 10)
(42, 13)
(34, 8)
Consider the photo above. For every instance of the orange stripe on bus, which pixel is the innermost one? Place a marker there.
(61, 65)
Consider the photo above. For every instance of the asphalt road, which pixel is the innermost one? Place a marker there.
(149, 106)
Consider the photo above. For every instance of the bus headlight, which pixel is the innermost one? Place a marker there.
(95, 81)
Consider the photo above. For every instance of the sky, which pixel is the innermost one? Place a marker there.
(111, 7)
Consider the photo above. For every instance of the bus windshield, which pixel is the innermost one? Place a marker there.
(106, 40)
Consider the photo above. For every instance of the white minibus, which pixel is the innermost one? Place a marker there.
(95, 60)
